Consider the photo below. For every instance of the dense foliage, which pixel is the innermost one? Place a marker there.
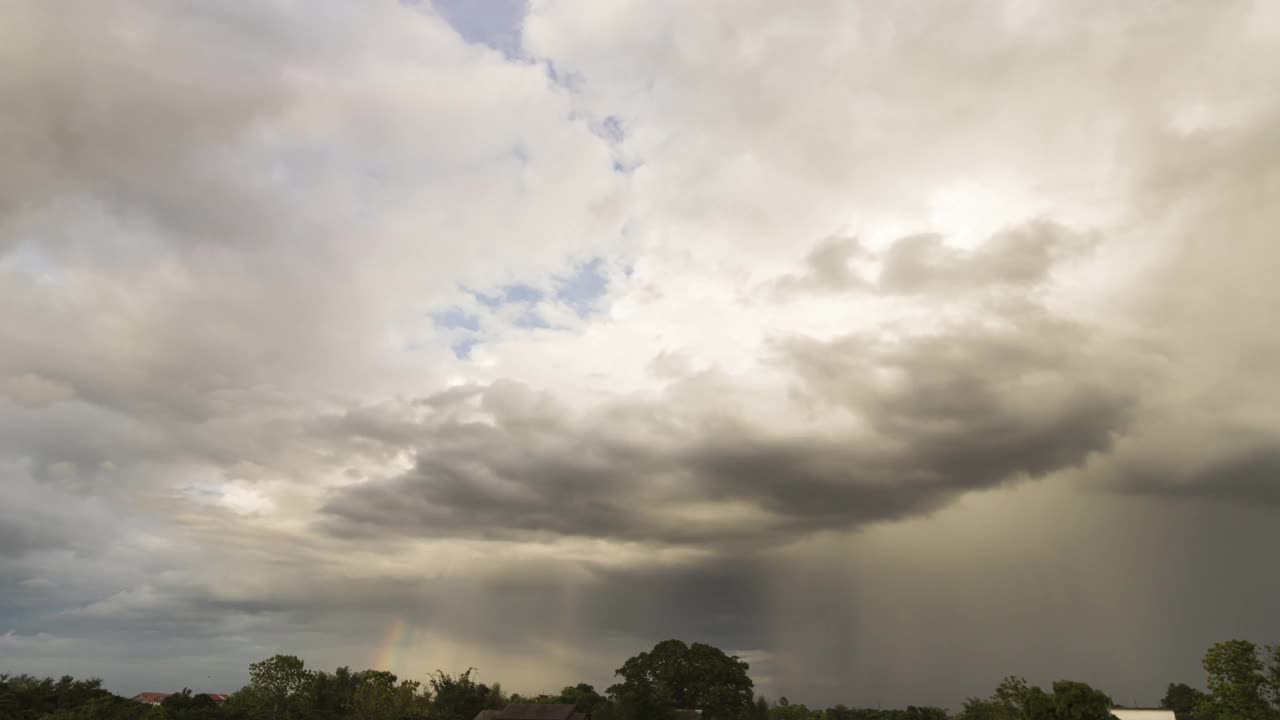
(675, 676)
(1242, 682)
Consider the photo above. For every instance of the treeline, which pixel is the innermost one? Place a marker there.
(665, 683)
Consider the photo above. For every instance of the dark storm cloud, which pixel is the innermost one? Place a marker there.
(1207, 427)
(827, 268)
(965, 408)
(1248, 475)
(1018, 256)
(223, 232)
(721, 600)
(36, 517)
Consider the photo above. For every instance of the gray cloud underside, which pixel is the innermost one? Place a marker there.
(224, 231)
(1016, 257)
(962, 409)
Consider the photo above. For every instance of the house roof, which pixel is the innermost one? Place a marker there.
(540, 711)
(1143, 714)
(155, 697)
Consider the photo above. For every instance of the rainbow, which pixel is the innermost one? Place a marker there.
(387, 654)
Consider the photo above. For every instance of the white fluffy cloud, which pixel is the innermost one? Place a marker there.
(315, 316)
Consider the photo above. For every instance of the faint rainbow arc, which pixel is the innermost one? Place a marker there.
(387, 655)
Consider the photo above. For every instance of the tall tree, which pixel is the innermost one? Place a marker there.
(976, 708)
(924, 713)
(1238, 687)
(496, 699)
(1182, 699)
(457, 698)
(329, 696)
(674, 676)
(582, 696)
(278, 681)
(1272, 653)
(183, 705)
(791, 711)
(1078, 701)
(1013, 699)
(380, 697)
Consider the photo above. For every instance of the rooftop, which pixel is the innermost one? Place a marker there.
(539, 711)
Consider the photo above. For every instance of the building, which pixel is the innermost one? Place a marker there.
(1142, 714)
(154, 698)
(538, 711)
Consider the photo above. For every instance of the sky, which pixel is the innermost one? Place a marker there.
(895, 347)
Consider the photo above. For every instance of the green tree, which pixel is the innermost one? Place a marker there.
(248, 704)
(1016, 699)
(104, 707)
(606, 711)
(279, 681)
(1272, 653)
(1182, 699)
(456, 698)
(641, 698)
(674, 676)
(23, 697)
(975, 708)
(1012, 693)
(1238, 687)
(375, 697)
(380, 697)
(496, 699)
(329, 696)
(925, 713)
(183, 705)
(1078, 701)
(791, 711)
(583, 696)
(1013, 699)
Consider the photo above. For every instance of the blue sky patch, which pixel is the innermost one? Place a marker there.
(462, 348)
(531, 320)
(623, 168)
(508, 294)
(584, 287)
(495, 23)
(568, 80)
(610, 129)
(456, 319)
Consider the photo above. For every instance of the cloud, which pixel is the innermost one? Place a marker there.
(38, 517)
(314, 318)
(1021, 256)
(32, 390)
(910, 423)
(827, 268)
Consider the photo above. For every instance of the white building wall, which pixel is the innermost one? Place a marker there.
(1144, 714)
